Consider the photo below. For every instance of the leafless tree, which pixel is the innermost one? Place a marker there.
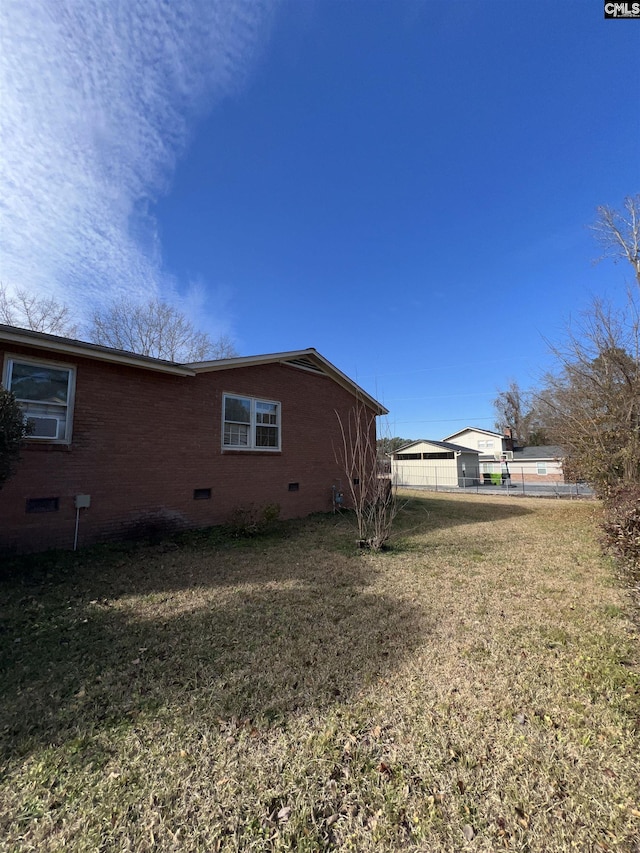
(157, 329)
(592, 405)
(516, 410)
(372, 494)
(32, 311)
(390, 445)
(618, 231)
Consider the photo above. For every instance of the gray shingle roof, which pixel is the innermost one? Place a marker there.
(543, 451)
(446, 445)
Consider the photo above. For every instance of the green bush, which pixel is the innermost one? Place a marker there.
(13, 429)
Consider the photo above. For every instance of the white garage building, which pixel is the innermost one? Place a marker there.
(435, 463)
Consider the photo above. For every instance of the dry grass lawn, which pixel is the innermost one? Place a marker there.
(476, 688)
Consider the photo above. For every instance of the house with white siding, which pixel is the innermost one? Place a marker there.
(499, 457)
(486, 442)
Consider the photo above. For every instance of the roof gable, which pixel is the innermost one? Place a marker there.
(306, 359)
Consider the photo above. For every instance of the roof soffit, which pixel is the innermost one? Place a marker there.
(81, 349)
(308, 360)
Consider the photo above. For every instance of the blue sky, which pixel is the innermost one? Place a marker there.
(406, 186)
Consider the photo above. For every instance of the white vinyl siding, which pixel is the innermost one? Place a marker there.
(426, 464)
(476, 439)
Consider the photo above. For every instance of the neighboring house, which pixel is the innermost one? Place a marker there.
(486, 442)
(499, 456)
(537, 464)
(123, 442)
(434, 463)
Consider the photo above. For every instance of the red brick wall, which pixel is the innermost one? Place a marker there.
(143, 441)
(530, 475)
(539, 478)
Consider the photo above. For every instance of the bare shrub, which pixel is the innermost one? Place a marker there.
(621, 527)
(373, 496)
(253, 520)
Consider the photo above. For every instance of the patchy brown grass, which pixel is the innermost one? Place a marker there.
(475, 688)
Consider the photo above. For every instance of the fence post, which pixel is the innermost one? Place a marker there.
(522, 475)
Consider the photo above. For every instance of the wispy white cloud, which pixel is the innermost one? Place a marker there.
(96, 102)
(209, 308)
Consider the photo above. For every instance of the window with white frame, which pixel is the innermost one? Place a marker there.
(45, 392)
(485, 444)
(250, 424)
(542, 468)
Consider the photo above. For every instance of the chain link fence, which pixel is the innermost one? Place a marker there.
(516, 481)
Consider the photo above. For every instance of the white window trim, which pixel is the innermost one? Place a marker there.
(11, 358)
(540, 465)
(252, 447)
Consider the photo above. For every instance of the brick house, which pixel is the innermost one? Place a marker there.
(121, 441)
